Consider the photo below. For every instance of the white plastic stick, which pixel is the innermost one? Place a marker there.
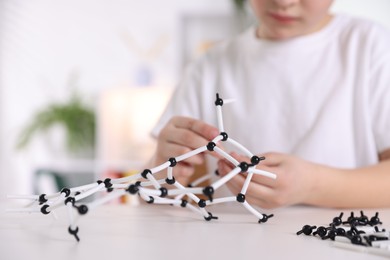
(70, 214)
(120, 186)
(127, 178)
(220, 119)
(204, 212)
(180, 196)
(167, 201)
(226, 178)
(153, 180)
(55, 204)
(190, 154)
(160, 167)
(192, 196)
(226, 155)
(261, 172)
(89, 192)
(170, 173)
(150, 192)
(149, 183)
(194, 209)
(195, 190)
(111, 196)
(84, 187)
(220, 200)
(200, 180)
(217, 139)
(246, 183)
(252, 210)
(240, 147)
(144, 196)
(229, 100)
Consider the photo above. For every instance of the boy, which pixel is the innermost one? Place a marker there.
(313, 87)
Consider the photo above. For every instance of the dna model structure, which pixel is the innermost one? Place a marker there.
(154, 190)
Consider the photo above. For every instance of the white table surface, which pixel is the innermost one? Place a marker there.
(166, 232)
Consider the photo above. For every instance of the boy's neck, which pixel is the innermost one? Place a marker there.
(261, 34)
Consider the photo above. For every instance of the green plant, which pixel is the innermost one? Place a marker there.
(239, 4)
(75, 116)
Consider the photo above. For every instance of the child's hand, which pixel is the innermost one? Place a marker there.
(179, 136)
(294, 182)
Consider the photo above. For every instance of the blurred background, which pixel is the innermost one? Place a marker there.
(83, 81)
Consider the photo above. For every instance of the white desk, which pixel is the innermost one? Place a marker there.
(165, 232)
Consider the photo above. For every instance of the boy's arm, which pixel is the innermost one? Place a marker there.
(365, 187)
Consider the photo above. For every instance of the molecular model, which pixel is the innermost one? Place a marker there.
(154, 190)
(358, 233)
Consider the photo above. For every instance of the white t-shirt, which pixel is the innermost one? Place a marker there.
(324, 97)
